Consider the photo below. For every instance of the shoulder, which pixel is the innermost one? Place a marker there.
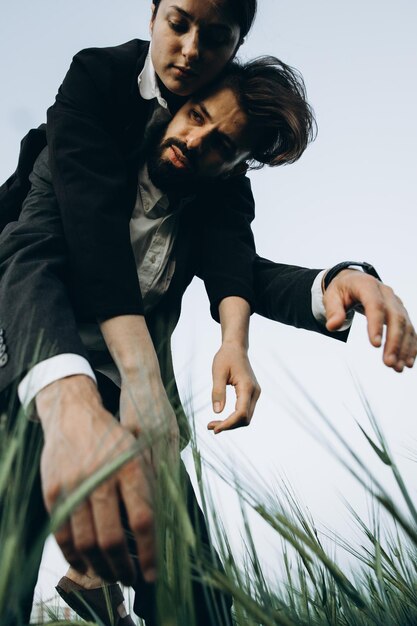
(125, 52)
(124, 58)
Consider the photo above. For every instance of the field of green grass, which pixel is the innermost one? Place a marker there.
(379, 588)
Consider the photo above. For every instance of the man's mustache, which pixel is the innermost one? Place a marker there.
(190, 155)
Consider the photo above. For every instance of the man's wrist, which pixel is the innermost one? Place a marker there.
(363, 266)
(56, 396)
(317, 305)
(234, 318)
(130, 345)
(48, 371)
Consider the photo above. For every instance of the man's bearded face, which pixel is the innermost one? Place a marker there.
(206, 139)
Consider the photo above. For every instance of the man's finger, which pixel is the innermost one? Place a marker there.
(411, 349)
(110, 533)
(234, 421)
(240, 417)
(254, 400)
(65, 541)
(134, 490)
(86, 541)
(335, 308)
(376, 317)
(220, 379)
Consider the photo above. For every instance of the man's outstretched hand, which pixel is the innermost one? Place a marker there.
(381, 307)
(80, 437)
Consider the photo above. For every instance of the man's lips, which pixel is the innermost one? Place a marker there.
(177, 158)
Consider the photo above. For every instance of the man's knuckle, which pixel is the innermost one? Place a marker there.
(387, 290)
(53, 490)
(142, 521)
(85, 545)
(111, 542)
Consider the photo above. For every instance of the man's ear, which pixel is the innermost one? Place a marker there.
(153, 8)
(238, 170)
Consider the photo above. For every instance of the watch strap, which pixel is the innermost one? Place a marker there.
(336, 269)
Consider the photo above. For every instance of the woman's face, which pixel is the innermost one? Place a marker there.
(192, 40)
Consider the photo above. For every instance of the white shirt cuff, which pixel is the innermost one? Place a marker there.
(317, 305)
(47, 372)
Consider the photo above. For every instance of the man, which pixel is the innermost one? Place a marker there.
(210, 136)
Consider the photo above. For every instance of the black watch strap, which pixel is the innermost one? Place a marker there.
(334, 271)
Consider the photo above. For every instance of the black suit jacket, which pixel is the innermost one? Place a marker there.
(94, 133)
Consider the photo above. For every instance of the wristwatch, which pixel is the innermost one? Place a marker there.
(334, 271)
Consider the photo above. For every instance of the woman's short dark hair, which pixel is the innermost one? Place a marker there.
(273, 96)
(242, 11)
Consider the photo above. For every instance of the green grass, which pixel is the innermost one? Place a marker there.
(309, 588)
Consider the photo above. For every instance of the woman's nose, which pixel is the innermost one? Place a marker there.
(191, 46)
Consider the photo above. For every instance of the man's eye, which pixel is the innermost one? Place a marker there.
(178, 27)
(196, 116)
(225, 150)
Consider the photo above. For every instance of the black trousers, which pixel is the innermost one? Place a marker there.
(211, 607)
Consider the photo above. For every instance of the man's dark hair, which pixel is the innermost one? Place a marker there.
(242, 12)
(273, 96)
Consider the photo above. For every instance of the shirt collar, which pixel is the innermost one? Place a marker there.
(148, 84)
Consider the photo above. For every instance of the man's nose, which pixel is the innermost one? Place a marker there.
(191, 46)
(197, 138)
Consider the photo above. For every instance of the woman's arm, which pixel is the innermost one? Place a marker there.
(94, 130)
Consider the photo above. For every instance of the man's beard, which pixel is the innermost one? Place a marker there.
(163, 173)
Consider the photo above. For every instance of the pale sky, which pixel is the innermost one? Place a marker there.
(350, 197)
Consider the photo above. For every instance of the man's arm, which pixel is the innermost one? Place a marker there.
(231, 367)
(283, 294)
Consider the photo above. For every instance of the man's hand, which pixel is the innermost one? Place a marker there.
(231, 367)
(381, 307)
(80, 437)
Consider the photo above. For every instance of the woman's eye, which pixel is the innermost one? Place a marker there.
(214, 38)
(178, 27)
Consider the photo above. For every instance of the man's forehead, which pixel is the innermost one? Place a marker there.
(221, 107)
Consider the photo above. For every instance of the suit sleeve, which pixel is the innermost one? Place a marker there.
(91, 183)
(36, 315)
(228, 247)
(283, 294)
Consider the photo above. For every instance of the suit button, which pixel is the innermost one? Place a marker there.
(3, 360)
(2, 349)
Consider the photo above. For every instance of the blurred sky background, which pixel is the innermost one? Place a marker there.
(352, 196)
